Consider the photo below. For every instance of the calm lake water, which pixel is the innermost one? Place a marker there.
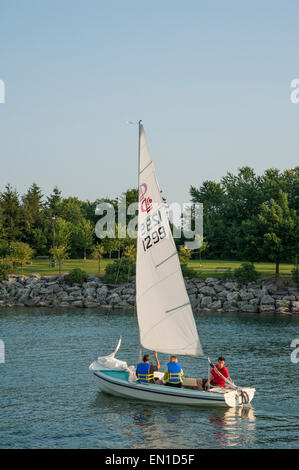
(48, 397)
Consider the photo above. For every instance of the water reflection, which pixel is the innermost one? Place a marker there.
(235, 427)
(151, 425)
(154, 427)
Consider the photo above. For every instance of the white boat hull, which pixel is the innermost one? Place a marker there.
(164, 394)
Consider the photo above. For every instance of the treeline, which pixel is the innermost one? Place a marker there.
(251, 217)
(43, 222)
(246, 217)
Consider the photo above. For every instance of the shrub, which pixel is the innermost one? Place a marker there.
(5, 268)
(120, 271)
(295, 272)
(227, 275)
(4, 249)
(246, 273)
(76, 276)
(189, 272)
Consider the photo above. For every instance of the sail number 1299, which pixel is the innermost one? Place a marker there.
(153, 236)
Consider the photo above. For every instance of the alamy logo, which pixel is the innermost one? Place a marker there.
(294, 355)
(2, 92)
(294, 97)
(2, 352)
(186, 218)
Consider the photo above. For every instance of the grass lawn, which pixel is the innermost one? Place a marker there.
(207, 268)
(265, 268)
(43, 267)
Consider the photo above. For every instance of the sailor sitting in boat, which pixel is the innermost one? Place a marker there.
(215, 379)
(145, 370)
(174, 373)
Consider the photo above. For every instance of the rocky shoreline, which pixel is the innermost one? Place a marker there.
(206, 295)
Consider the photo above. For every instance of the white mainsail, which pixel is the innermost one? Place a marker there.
(165, 318)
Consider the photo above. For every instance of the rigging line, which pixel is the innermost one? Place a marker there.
(166, 259)
(177, 308)
(141, 171)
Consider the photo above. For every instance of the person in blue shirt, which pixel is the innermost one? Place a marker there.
(174, 373)
(145, 370)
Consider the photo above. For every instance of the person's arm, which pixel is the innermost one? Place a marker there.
(157, 360)
(209, 380)
(231, 380)
(227, 376)
(165, 377)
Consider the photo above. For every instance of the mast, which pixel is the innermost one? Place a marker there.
(139, 132)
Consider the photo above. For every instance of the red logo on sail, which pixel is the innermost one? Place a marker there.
(145, 202)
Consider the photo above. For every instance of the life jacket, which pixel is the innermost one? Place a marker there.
(142, 372)
(174, 372)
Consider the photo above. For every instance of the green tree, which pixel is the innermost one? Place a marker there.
(33, 206)
(33, 218)
(98, 253)
(59, 253)
(109, 244)
(280, 228)
(231, 225)
(62, 232)
(54, 201)
(71, 209)
(11, 214)
(20, 253)
(203, 245)
(184, 254)
(130, 251)
(212, 196)
(82, 236)
(2, 230)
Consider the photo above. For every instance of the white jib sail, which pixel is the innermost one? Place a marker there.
(165, 318)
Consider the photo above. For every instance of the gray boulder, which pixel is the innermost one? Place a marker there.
(267, 308)
(207, 290)
(216, 305)
(251, 308)
(233, 296)
(206, 302)
(246, 295)
(267, 300)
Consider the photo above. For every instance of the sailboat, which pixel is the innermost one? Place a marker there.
(165, 318)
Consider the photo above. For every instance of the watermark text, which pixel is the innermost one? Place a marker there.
(2, 92)
(186, 220)
(294, 96)
(2, 352)
(295, 353)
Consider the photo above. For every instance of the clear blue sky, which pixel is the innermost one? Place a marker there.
(210, 80)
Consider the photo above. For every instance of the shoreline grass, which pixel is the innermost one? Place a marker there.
(205, 267)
